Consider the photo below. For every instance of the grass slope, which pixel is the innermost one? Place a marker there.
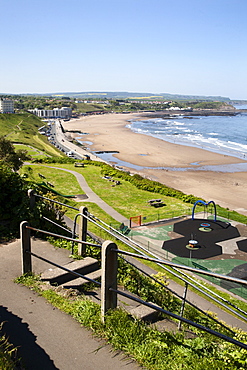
(23, 128)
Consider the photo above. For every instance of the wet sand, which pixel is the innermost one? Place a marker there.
(108, 132)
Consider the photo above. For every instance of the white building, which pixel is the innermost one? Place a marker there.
(6, 106)
(64, 112)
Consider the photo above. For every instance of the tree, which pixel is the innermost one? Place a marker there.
(14, 203)
(11, 158)
(15, 206)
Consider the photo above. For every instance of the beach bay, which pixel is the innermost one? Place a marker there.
(172, 164)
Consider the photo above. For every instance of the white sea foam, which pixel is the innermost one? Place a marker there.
(224, 134)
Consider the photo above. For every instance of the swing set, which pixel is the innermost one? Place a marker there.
(205, 209)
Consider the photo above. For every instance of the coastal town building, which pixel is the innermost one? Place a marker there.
(64, 112)
(6, 106)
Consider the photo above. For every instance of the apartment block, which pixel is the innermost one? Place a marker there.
(6, 106)
(63, 112)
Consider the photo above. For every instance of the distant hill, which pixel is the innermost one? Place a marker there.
(132, 95)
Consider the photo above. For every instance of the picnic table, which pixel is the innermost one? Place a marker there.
(156, 202)
(78, 164)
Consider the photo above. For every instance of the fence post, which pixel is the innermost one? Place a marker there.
(25, 246)
(82, 230)
(109, 277)
(31, 195)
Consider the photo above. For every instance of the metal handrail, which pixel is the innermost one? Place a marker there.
(63, 268)
(63, 237)
(55, 201)
(183, 267)
(198, 326)
(151, 305)
(125, 239)
(56, 224)
(178, 296)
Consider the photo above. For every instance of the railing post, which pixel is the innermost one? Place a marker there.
(109, 277)
(183, 304)
(31, 195)
(26, 247)
(82, 230)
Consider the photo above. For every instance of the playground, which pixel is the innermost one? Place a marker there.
(208, 243)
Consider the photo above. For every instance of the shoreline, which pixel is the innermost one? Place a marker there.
(108, 132)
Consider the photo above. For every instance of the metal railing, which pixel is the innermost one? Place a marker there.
(109, 290)
(138, 247)
(143, 253)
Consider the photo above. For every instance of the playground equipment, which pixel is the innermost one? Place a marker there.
(205, 226)
(135, 220)
(206, 205)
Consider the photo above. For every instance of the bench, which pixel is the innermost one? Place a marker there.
(124, 229)
(79, 164)
(156, 202)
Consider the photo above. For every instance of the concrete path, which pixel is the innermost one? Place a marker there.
(93, 197)
(47, 338)
(63, 140)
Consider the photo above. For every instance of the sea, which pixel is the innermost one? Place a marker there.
(220, 134)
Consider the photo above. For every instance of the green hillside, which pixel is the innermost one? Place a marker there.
(134, 95)
(23, 128)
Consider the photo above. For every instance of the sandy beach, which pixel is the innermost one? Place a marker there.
(108, 132)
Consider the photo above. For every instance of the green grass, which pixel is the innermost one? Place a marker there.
(64, 182)
(8, 360)
(126, 198)
(116, 200)
(85, 107)
(23, 128)
(31, 151)
(150, 348)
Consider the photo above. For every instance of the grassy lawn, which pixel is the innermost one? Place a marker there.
(42, 143)
(126, 198)
(33, 152)
(64, 182)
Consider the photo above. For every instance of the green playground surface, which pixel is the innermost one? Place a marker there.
(224, 264)
(155, 232)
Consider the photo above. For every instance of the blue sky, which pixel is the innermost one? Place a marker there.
(195, 47)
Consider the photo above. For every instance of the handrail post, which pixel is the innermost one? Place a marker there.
(31, 195)
(26, 247)
(183, 305)
(82, 230)
(109, 277)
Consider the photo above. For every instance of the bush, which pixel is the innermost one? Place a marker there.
(14, 203)
(15, 206)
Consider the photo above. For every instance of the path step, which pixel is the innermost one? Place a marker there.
(60, 276)
(144, 312)
(78, 282)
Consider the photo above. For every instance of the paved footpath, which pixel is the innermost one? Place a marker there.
(48, 338)
(93, 197)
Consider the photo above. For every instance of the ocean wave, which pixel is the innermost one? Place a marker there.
(223, 134)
